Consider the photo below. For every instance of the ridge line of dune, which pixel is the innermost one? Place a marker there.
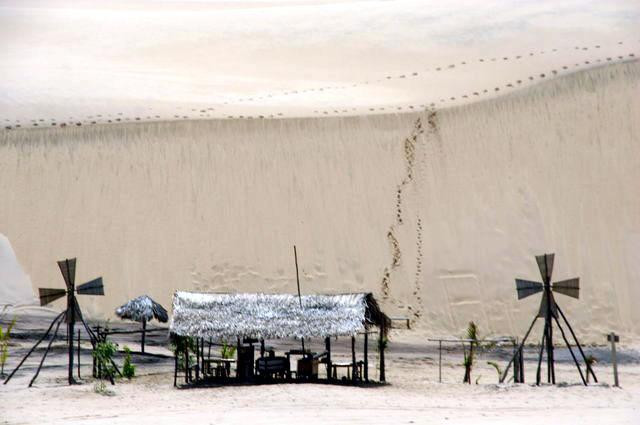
(565, 70)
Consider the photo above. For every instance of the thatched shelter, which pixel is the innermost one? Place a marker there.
(231, 317)
(269, 316)
(142, 309)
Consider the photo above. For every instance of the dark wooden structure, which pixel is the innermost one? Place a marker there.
(551, 312)
(69, 315)
(256, 362)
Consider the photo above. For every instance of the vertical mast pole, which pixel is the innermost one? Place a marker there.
(295, 255)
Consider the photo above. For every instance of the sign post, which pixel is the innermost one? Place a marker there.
(613, 338)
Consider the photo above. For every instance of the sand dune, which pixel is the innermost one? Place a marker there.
(115, 61)
(436, 212)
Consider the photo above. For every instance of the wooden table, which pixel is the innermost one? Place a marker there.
(221, 367)
(348, 366)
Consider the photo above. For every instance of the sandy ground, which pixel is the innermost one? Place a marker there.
(413, 394)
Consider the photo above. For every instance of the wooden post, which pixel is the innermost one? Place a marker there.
(521, 358)
(366, 355)
(175, 368)
(613, 338)
(79, 354)
(381, 344)
(516, 363)
(354, 367)
(440, 361)
(327, 346)
(144, 333)
(197, 359)
(238, 359)
(70, 328)
(186, 361)
(93, 362)
(544, 336)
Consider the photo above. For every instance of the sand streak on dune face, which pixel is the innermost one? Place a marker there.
(217, 205)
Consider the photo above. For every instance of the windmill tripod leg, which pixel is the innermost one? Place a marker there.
(44, 356)
(588, 366)
(544, 337)
(551, 373)
(570, 350)
(35, 346)
(526, 335)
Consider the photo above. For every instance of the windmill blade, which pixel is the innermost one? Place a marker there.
(93, 287)
(48, 295)
(569, 287)
(542, 312)
(545, 264)
(526, 288)
(68, 269)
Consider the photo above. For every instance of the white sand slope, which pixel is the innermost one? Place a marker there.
(15, 285)
(420, 151)
(437, 225)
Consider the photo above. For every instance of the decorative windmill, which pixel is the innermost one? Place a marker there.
(549, 310)
(70, 314)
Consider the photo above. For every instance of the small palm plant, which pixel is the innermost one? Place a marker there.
(472, 334)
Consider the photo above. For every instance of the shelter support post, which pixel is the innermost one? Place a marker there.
(327, 346)
(197, 359)
(186, 362)
(366, 355)
(175, 368)
(354, 366)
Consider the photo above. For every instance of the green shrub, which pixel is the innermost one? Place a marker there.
(103, 353)
(178, 345)
(227, 351)
(128, 369)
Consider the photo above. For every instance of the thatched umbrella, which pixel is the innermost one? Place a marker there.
(142, 309)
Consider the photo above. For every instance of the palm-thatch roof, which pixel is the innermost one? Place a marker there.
(227, 316)
(142, 308)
